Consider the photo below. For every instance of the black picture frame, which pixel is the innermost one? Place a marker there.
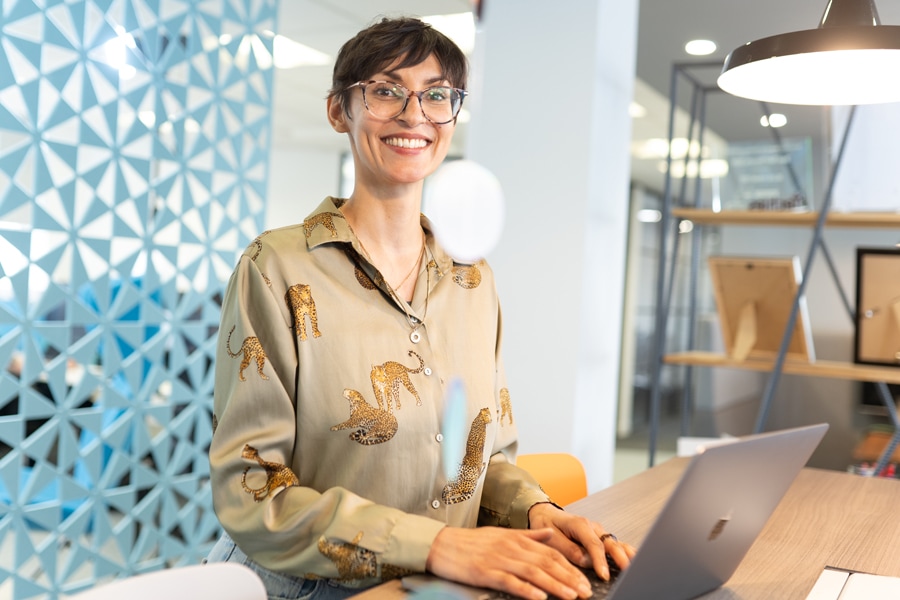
(877, 326)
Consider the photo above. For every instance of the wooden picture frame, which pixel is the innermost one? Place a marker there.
(877, 331)
(754, 298)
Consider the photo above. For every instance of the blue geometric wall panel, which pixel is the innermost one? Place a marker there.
(134, 141)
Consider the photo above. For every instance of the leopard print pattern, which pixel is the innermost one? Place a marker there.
(463, 487)
(505, 406)
(389, 572)
(371, 425)
(251, 349)
(277, 476)
(325, 219)
(257, 250)
(387, 378)
(352, 562)
(257, 245)
(467, 277)
(432, 265)
(364, 280)
(301, 304)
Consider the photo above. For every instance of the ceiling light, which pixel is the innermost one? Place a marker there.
(773, 120)
(851, 58)
(459, 27)
(710, 168)
(659, 148)
(700, 47)
(636, 111)
(289, 54)
(649, 215)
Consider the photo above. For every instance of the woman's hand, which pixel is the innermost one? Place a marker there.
(582, 541)
(516, 561)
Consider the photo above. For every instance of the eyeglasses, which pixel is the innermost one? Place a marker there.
(386, 100)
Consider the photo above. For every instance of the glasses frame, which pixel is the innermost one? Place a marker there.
(409, 94)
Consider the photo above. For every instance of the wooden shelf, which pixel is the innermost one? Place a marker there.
(820, 368)
(702, 216)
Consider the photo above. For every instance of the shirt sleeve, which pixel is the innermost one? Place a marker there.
(257, 496)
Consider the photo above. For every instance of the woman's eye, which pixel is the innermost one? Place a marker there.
(388, 92)
(437, 95)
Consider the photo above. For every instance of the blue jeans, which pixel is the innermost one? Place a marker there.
(280, 586)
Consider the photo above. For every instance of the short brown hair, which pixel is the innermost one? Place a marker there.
(405, 39)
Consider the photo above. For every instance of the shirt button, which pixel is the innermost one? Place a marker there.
(427, 370)
(435, 504)
(439, 437)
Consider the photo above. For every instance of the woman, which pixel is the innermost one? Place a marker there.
(339, 339)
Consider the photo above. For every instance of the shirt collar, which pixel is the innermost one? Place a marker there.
(327, 225)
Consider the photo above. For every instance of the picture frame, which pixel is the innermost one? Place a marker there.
(754, 297)
(877, 325)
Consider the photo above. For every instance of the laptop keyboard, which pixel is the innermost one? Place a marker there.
(600, 588)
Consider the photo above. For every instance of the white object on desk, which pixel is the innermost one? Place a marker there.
(222, 581)
(839, 584)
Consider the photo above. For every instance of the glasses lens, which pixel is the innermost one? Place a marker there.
(385, 99)
(441, 104)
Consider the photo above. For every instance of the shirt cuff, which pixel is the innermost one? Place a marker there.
(521, 504)
(410, 542)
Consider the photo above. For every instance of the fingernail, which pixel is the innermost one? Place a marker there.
(539, 595)
(585, 590)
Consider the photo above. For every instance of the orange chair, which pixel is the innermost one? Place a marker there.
(561, 475)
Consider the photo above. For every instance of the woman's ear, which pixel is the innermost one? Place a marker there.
(336, 114)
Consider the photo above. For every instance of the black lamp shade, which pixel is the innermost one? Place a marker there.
(842, 62)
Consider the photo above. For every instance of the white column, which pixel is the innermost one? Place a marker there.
(552, 82)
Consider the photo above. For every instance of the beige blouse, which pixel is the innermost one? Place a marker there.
(327, 455)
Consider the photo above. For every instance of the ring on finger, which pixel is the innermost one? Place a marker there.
(606, 536)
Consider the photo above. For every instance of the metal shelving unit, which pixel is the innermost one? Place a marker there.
(690, 209)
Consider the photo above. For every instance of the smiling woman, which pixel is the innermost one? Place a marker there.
(345, 333)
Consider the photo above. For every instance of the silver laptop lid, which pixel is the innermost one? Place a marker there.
(718, 508)
(716, 511)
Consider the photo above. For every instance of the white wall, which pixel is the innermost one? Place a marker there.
(551, 90)
(298, 181)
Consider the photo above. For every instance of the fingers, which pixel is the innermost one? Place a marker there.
(584, 542)
(518, 562)
(541, 567)
(620, 552)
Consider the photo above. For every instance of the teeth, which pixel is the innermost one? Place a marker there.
(405, 142)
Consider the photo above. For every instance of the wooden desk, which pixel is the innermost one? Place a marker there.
(826, 518)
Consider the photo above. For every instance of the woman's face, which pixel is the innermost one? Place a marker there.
(399, 151)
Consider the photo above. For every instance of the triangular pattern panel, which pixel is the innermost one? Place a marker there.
(134, 147)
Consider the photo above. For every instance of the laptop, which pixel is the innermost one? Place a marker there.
(718, 508)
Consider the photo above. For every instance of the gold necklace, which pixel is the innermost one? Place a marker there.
(414, 336)
(372, 262)
(413, 267)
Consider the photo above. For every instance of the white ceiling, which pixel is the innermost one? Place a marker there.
(664, 27)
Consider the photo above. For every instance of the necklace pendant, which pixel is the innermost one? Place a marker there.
(415, 337)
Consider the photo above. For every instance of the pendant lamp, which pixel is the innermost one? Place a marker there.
(851, 58)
